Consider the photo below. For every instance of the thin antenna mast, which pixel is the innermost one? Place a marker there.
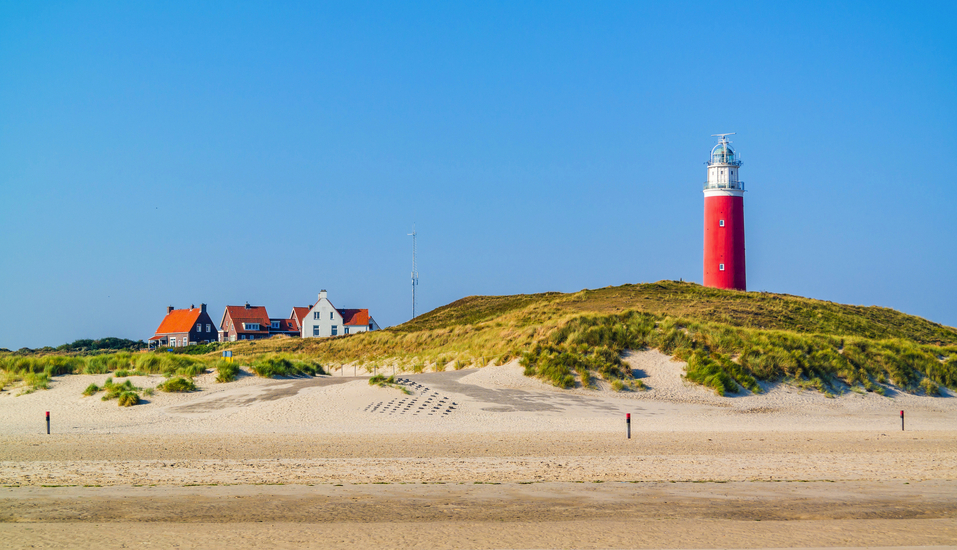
(415, 274)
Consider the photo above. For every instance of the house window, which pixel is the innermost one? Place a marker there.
(346, 331)
(721, 223)
(172, 342)
(370, 326)
(199, 327)
(330, 315)
(315, 330)
(209, 328)
(720, 267)
(335, 330)
(274, 324)
(315, 315)
(250, 326)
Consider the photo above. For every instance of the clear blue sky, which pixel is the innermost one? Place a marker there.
(166, 153)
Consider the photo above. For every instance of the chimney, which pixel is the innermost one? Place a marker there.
(322, 294)
(192, 306)
(247, 305)
(169, 310)
(202, 307)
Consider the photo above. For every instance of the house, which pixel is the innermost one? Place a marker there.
(286, 327)
(323, 319)
(244, 323)
(253, 323)
(183, 327)
(298, 314)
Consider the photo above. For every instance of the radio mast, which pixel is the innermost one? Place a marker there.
(415, 274)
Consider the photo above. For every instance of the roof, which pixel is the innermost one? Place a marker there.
(299, 313)
(354, 316)
(179, 320)
(251, 314)
(285, 325)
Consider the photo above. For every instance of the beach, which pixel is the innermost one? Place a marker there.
(476, 458)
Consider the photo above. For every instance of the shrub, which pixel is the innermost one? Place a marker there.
(114, 390)
(177, 385)
(929, 386)
(128, 399)
(271, 367)
(92, 389)
(226, 371)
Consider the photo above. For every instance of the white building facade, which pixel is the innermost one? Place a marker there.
(325, 320)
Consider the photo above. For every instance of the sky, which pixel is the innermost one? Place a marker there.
(177, 153)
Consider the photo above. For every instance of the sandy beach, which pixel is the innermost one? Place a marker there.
(477, 458)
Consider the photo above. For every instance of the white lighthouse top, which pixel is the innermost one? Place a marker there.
(723, 153)
(723, 169)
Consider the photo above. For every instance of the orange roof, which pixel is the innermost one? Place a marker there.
(179, 320)
(354, 316)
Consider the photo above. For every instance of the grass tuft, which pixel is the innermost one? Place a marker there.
(177, 385)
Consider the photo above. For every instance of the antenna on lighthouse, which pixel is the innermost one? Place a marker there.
(415, 274)
(724, 137)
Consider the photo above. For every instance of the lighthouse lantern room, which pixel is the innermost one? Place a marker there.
(724, 219)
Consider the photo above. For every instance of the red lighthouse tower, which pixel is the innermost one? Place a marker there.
(724, 219)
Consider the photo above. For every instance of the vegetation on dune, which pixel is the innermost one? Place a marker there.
(732, 342)
(126, 393)
(177, 385)
(226, 371)
(383, 382)
(273, 366)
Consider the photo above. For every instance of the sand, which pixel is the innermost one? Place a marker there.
(481, 458)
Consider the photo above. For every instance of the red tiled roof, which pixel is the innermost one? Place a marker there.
(299, 313)
(354, 316)
(253, 314)
(179, 320)
(285, 325)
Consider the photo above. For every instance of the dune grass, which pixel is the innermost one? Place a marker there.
(226, 371)
(280, 366)
(732, 342)
(178, 384)
(126, 393)
(384, 382)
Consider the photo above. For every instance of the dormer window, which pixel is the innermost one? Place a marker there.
(721, 223)
(250, 326)
(274, 324)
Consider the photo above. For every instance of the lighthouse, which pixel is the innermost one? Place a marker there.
(724, 219)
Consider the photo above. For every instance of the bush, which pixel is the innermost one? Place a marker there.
(92, 389)
(271, 367)
(128, 399)
(226, 371)
(114, 390)
(177, 385)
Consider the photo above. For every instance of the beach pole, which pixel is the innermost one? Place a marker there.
(48, 422)
(902, 420)
(628, 423)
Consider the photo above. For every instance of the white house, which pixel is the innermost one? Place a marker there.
(323, 319)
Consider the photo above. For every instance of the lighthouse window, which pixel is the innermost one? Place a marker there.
(721, 223)
(720, 267)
